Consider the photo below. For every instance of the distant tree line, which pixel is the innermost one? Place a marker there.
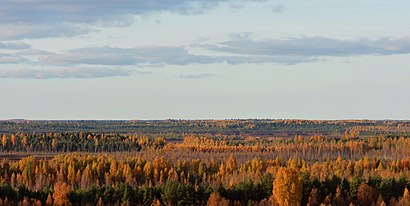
(227, 127)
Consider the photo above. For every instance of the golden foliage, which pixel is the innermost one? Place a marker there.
(217, 200)
(287, 187)
(61, 190)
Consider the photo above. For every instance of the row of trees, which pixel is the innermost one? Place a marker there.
(122, 179)
(350, 145)
(78, 142)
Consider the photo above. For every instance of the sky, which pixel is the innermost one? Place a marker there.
(216, 59)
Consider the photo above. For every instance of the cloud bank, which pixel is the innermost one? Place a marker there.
(140, 56)
(312, 46)
(41, 30)
(238, 50)
(90, 11)
(20, 19)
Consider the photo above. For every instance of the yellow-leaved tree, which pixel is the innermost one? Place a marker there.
(60, 196)
(287, 187)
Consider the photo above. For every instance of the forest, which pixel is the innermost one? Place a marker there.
(205, 162)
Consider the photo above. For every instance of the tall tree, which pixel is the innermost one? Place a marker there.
(287, 187)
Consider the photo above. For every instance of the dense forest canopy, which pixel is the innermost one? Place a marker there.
(205, 162)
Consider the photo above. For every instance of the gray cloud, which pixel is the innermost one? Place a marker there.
(142, 56)
(44, 18)
(157, 56)
(241, 49)
(32, 52)
(77, 73)
(12, 59)
(14, 45)
(41, 30)
(237, 5)
(278, 8)
(89, 11)
(196, 76)
(307, 48)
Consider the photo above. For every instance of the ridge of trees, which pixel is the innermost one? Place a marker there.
(228, 127)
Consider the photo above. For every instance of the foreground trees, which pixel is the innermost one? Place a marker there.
(211, 169)
(78, 179)
(287, 188)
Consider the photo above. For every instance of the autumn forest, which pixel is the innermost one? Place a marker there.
(205, 162)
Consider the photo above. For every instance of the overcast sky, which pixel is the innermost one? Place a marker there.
(216, 59)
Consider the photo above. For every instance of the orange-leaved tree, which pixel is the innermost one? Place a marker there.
(287, 187)
(60, 196)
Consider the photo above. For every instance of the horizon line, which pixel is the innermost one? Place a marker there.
(210, 119)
